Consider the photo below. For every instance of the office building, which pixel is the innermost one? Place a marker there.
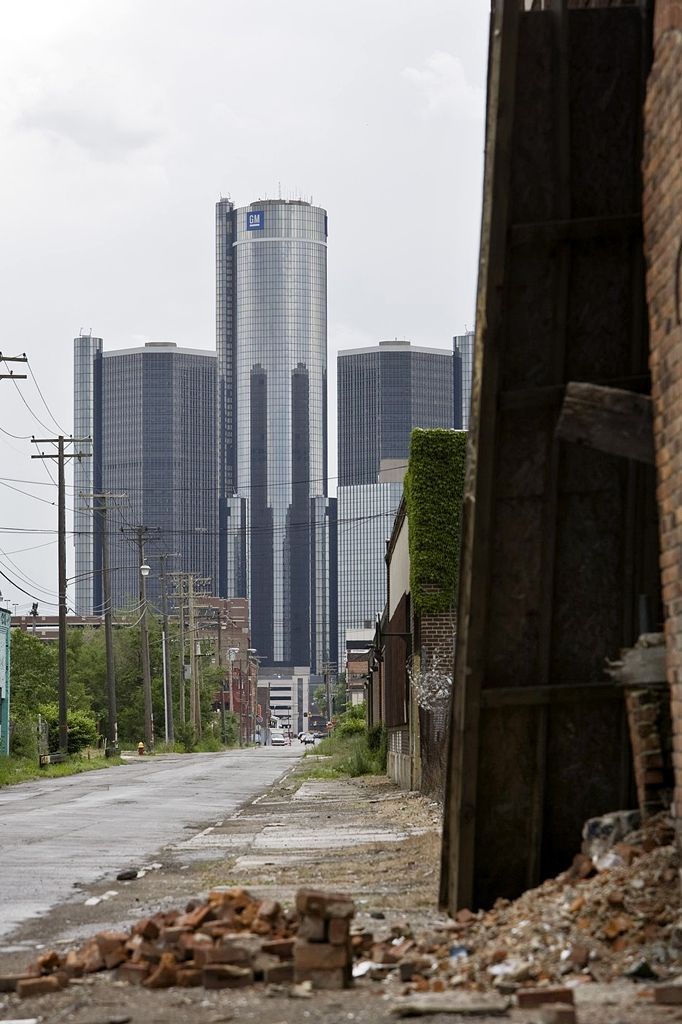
(383, 393)
(86, 423)
(365, 520)
(151, 414)
(271, 336)
(463, 364)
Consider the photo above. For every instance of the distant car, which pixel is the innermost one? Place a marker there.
(308, 738)
(319, 735)
(277, 739)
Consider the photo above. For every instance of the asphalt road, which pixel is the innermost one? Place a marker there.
(81, 828)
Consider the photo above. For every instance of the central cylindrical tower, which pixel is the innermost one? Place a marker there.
(280, 275)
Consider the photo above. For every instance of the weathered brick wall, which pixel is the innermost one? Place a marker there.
(650, 734)
(663, 246)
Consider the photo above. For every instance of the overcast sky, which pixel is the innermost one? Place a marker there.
(122, 123)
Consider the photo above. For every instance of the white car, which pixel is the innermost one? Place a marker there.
(277, 739)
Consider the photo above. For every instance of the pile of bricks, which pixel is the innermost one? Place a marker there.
(323, 953)
(229, 941)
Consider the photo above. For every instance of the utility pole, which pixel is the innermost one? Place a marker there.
(191, 627)
(167, 688)
(111, 749)
(326, 667)
(165, 640)
(144, 645)
(181, 598)
(61, 456)
(13, 359)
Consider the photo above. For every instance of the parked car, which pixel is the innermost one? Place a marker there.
(277, 739)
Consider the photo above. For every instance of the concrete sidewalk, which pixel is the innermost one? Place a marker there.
(361, 836)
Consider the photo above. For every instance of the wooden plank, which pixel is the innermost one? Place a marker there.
(574, 693)
(582, 229)
(609, 419)
(459, 815)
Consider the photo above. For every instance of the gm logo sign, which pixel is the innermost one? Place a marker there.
(254, 220)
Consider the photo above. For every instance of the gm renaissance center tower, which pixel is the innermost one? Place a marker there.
(276, 523)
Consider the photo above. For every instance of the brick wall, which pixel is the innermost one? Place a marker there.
(648, 711)
(662, 171)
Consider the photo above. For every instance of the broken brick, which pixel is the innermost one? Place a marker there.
(337, 978)
(338, 930)
(314, 929)
(28, 987)
(108, 942)
(281, 973)
(226, 976)
(165, 974)
(9, 982)
(188, 977)
(148, 928)
(283, 948)
(133, 973)
(668, 995)
(529, 998)
(319, 956)
(325, 905)
(49, 962)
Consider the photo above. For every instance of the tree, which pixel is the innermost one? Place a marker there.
(33, 674)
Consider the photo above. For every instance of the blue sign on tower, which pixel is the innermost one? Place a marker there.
(255, 220)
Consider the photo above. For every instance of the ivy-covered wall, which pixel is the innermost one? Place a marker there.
(434, 489)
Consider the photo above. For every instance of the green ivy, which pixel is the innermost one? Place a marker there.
(434, 490)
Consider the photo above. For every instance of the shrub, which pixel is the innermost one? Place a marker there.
(186, 737)
(351, 727)
(82, 728)
(23, 741)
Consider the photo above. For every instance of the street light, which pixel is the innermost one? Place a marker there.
(232, 653)
(252, 658)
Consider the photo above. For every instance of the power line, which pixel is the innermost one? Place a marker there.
(56, 422)
(35, 416)
(32, 596)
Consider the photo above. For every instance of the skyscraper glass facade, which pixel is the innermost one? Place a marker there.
(383, 393)
(154, 430)
(463, 346)
(272, 361)
(87, 353)
(365, 519)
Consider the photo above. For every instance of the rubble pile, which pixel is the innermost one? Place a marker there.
(230, 940)
(585, 925)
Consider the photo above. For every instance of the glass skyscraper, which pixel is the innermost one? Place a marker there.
(271, 334)
(152, 420)
(463, 349)
(87, 366)
(365, 520)
(383, 393)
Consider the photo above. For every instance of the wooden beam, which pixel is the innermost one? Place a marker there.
(582, 229)
(459, 811)
(608, 419)
(565, 693)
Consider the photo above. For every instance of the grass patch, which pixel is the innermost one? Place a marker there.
(23, 769)
(345, 755)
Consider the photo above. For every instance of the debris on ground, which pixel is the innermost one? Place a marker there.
(229, 940)
(586, 925)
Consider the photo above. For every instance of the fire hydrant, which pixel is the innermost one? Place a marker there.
(140, 748)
